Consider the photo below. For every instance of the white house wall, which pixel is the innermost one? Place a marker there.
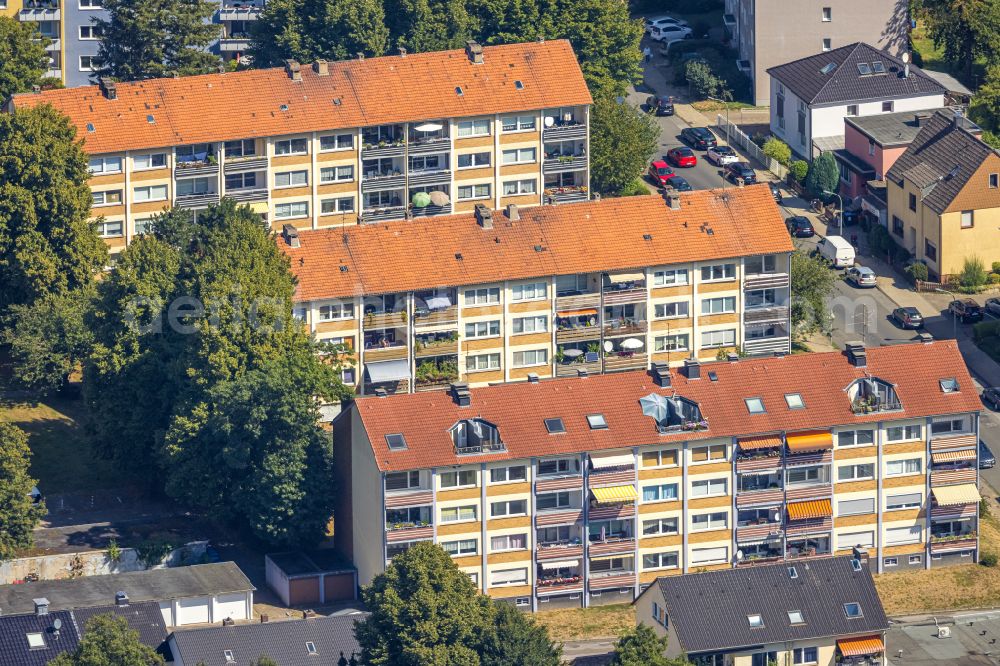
(230, 605)
(829, 120)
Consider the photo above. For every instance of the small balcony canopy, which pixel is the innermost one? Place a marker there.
(966, 493)
(627, 277)
(612, 459)
(585, 312)
(861, 647)
(614, 494)
(799, 442)
(953, 456)
(387, 371)
(560, 564)
(812, 509)
(760, 442)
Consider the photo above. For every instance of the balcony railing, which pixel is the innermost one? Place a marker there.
(395, 499)
(636, 294)
(555, 517)
(436, 348)
(946, 477)
(375, 320)
(766, 314)
(430, 210)
(247, 163)
(196, 168)
(248, 194)
(391, 353)
(239, 13)
(951, 442)
(611, 476)
(758, 531)
(383, 214)
(564, 130)
(196, 200)
(428, 145)
(611, 579)
(807, 553)
(429, 177)
(50, 12)
(777, 343)
(448, 315)
(808, 458)
(763, 497)
(234, 44)
(625, 361)
(758, 463)
(578, 333)
(545, 484)
(564, 163)
(874, 405)
(391, 148)
(818, 490)
(411, 532)
(765, 281)
(559, 551)
(612, 512)
(953, 544)
(485, 447)
(568, 194)
(808, 526)
(582, 301)
(559, 585)
(628, 327)
(383, 181)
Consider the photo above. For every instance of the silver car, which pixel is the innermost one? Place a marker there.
(861, 276)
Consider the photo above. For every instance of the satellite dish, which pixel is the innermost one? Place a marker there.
(776, 517)
(905, 57)
(549, 121)
(739, 556)
(608, 345)
(57, 624)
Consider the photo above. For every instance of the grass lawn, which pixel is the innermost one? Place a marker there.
(570, 624)
(954, 588)
(933, 58)
(709, 105)
(62, 460)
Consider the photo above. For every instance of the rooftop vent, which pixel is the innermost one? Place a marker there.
(291, 235)
(460, 394)
(121, 599)
(532, 377)
(519, 85)
(661, 374)
(920, 118)
(41, 606)
(732, 357)
(512, 213)
(108, 88)
(381, 392)
(581, 372)
(228, 622)
(925, 338)
(692, 368)
(674, 202)
(484, 216)
(321, 67)
(402, 51)
(293, 69)
(474, 50)
(856, 354)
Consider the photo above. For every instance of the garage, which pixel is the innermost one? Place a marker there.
(194, 611)
(309, 579)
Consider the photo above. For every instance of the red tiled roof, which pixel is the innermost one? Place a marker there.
(372, 91)
(519, 409)
(574, 238)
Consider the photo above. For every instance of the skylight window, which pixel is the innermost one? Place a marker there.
(90, 127)
(755, 621)
(796, 617)
(755, 405)
(793, 573)
(949, 385)
(794, 401)
(829, 67)
(228, 654)
(311, 647)
(36, 641)
(596, 422)
(555, 426)
(283, 107)
(396, 442)
(150, 119)
(856, 564)
(713, 376)
(853, 610)
(458, 90)
(519, 85)
(878, 67)
(864, 69)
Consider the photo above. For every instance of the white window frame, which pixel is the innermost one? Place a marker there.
(663, 560)
(149, 156)
(335, 311)
(104, 228)
(865, 539)
(855, 472)
(104, 202)
(336, 140)
(510, 545)
(473, 127)
(105, 170)
(92, 29)
(482, 296)
(727, 272)
(337, 205)
(904, 506)
(671, 277)
(492, 362)
(507, 474)
(522, 187)
(676, 305)
(519, 156)
(711, 487)
(508, 577)
(461, 547)
(666, 526)
(718, 305)
(478, 330)
(474, 159)
(87, 68)
(908, 433)
(529, 291)
(704, 556)
(149, 189)
(709, 339)
(708, 522)
(291, 176)
(660, 342)
(662, 493)
(536, 324)
(474, 191)
(459, 512)
(854, 438)
(458, 475)
(291, 145)
(290, 208)
(905, 467)
(343, 173)
(503, 508)
(520, 124)
(533, 354)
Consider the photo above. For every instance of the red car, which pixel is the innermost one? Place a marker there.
(682, 157)
(660, 173)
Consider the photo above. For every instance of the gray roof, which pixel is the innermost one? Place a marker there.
(14, 632)
(890, 129)
(941, 159)
(144, 616)
(284, 642)
(709, 610)
(844, 83)
(152, 585)
(950, 83)
(296, 563)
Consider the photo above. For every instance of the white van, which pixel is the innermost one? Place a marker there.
(837, 251)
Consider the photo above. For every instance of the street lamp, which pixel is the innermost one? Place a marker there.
(840, 214)
(954, 316)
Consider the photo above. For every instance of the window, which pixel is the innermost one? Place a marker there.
(482, 362)
(897, 226)
(707, 453)
(336, 174)
(240, 148)
(241, 181)
(709, 488)
(659, 526)
(150, 193)
(402, 480)
(143, 225)
(905, 501)
(523, 359)
(336, 311)
(514, 187)
(660, 560)
(852, 109)
(560, 534)
(887, 107)
(337, 205)
(852, 610)
(483, 329)
(855, 472)
(659, 493)
(458, 478)
(559, 466)
(755, 620)
(946, 426)
(458, 514)
(668, 343)
(755, 405)
(90, 4)
(150, 161)
(509, 542)
(827, 44)
(466, 192)
(902, 467)
(803, 475)
(809, 655)
(107, 198)
(508, 577)
(890, 561)
(709, 555)
(486, 296)
(852, 539)
(533, 291)
(509, 508)
(913, 201)
(994, 180)
(291, 147)
(721, 305)
(336, 142)
(473, 160)
(968, 219)
(762, 264)
(108, 229)
(518, 123)
(194, 186)
(915, 559)
(827, 14)
(35, 640)
(669, 278)
(795, 617)
(480, 127)
(292, 178)
(395, 442)
(519, 156)
(293, 209)
(661, 458)
(901, 535)
(794, 401)
(671, 310)
(855, 437)
(538, 324)
(718, 272)
(101, 165)
(948, 385)
(723, 338)
(558, 500)
(508, 474)
(856, 507)
(710, 521)
(87, 63)
(902, 433)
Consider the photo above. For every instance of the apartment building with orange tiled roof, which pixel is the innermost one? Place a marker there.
(338, 143)
(582, 491)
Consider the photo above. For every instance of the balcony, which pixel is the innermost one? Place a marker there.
(611, 476)
(558, 585)
(872, 395)
(818, 490)
(430, 209)
(766, 281)
(746, 464)
(429, 177)
(572, 369)
(392, 352)
(247, 163)
(437, 317)
(577, 301)
(579, 333)
(485, 447)
(625, 360)
(388, 147)
(758, 531)
(376, 320)
(564, 163)
(874, 404)
(608, 580)
(953, 543)
(248, 194)
(763, 497)
(808, 526)
(379, 181)
(196, 200)
(625, 293)
(952, 442)
(759, 346)
(239, 13)
(612, 546)
(446, 346)
(569, 481)
(435, 144)
(430, 375)
(611, 512)
(568, 194)
(40, 11)
(808, 458)
(767, 314)
(556, 517)
(234, 44)
(399, 499)
(565, 129)
(570, 550)
(383, 214)
(626, 327)
(947, 477)
(408, 531)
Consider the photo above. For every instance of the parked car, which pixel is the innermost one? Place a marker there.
(861, 277)
(659, 173)
(670, 33)
(699, 137)
(966, 309)
(837, 251)
(682, 156)
(775, 192)
(907, 318)
(991, 397)
(661, 22)
(721, 155)
(679, 184)
(986, 457)
(661, 105)
(993, 306)
(800, 227)
(741, 170)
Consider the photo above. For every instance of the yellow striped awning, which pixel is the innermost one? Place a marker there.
(760, 442)
(809, 441)
(585, 312)
(966, 493)
(953, 456)
(259, 207)
(614, 494)
(860, 647)
(812, 509)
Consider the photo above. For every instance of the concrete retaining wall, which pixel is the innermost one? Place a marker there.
(93, 563)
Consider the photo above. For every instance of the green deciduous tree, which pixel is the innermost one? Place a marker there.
(642, 647)
(515, 638)
(823, 175)
(985, 106)
(47, 243)
(778, 151)
(429, 25)
(109, 641)
(702, 80)
(964, 29)
(306, 30)
(622, 141)
(812, 282)
(23, 57)
(18, 513)
(145, 39)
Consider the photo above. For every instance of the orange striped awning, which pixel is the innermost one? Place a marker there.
(809, 441)
(760, 442)
(812, 509)
(578, 313)
(953, 456)
(860, 647)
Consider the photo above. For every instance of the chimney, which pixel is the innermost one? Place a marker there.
(925, 338)
(474, 50)
(460, 394)
(108, 88)
(921, 118)
(732, 357)
(308, 614)
(321, 67)
(513, 214)
(402, 51)
(293, 69)
(692, 368)
(856, 354)
(380, 392)
(532, 377)
(41, 606)
(661, 374)
(264, 617)
(674, 201)
(582, 373)
(291, 235)
(484, 216)
(121, 599)
(228, 621)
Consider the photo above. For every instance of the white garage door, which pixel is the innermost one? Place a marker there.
(167, 611)
(192, 611)
(230, 605)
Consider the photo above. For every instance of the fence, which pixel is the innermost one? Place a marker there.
(735, 136)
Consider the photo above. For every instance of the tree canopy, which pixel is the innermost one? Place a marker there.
(823, 175)
(109, 641)
(622, 141)
(642, 647)
(18, 513)
(965, 30)
(22, 52)
(985, 107)
(306, 30)
(812, 282)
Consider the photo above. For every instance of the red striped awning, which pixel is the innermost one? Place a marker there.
(861, 647)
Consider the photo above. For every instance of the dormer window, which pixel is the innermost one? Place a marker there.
(476, 436)
(871, 394)
(949, 385)
(674, 413)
